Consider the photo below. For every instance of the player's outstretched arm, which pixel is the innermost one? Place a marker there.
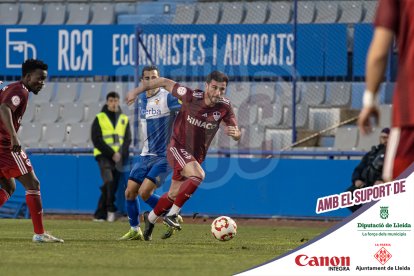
(376, 64)
(167, 84)
(234, 132)
(6, 117)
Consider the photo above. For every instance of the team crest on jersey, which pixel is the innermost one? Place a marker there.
(216, 115)
(181, 91)
(28, 163)
(15, 100)
(157, 101)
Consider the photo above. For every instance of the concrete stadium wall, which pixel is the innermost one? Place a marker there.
(233, 186)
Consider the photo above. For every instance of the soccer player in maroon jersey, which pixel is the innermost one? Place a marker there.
(194, 128)
(14, 163)
(394, 17)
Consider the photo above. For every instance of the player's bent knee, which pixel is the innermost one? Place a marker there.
(130, 195)
(172, 195)
(144, 194)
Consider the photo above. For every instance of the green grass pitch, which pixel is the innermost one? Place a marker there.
(91, 248)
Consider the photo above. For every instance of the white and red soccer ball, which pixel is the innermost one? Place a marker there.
(224, 228)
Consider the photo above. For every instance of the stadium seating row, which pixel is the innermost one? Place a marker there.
(254, 138)
(258, 12)
(318, 104)
(261, 12)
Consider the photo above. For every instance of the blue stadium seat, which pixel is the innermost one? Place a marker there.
(238, 93)
(256, 12)
(9, 13)
(279, 12)
(32, 14)
(370, 8)
(55, 14)
(351, 12)
(185, 14)
(327, 12)
(338, 94)
(102, 13)
(346, 138)
(78, 14)
(358, 89)
(312, 93)
(232, 13)
(208, 13)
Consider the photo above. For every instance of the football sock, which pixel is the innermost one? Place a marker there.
(132, 207)
(152, 200)
(4, 196)
(152, 217)
(174, 210)
(187, 189)
(163, 205)
(34, 202)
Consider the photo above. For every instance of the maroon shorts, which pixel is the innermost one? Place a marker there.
(400, 152)
(178, 157)
(13, 164)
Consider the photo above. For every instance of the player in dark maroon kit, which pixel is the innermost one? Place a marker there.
(194, 128)
(394, 17)
(13, 160)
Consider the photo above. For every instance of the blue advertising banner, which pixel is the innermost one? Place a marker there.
(362, 39)
(179, 50)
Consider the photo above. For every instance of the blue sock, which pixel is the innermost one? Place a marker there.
(133, 212)
(152, 200)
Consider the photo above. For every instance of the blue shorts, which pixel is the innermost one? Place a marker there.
(155, 168)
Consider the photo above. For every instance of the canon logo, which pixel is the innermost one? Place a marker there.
(303, 260)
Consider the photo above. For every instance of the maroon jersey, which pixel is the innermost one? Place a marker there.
(15, 96)
(196, 124)
(398, 16)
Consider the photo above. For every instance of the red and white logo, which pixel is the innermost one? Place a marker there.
(216, 115)
(181, 91)
(383, 255)
(304, 260)
(15, 100)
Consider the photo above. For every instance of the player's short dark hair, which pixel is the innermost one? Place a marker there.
(112, 94)
(217, 76)
(150, 68)
(31, 65)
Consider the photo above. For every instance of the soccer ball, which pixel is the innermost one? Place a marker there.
(224, 228)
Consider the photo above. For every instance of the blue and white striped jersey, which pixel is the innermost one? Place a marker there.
(157, 114)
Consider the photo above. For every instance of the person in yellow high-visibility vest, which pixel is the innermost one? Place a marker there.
(111, 137)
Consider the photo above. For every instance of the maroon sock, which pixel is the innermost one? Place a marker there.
(34, 202)
(4, 196)
(187, 189)
(163, 205)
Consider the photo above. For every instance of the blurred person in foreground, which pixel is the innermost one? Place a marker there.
(393, 18)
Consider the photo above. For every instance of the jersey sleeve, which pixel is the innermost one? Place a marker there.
(387, 15)
(183, 93)
(230, 119)
(173, 103)
(13, 98)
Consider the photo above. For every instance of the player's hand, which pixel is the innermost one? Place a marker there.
(130, 97)
(116, 157)
(359, 183)
(15, 144)
(378, 182)
(364, 123)
(234, 132)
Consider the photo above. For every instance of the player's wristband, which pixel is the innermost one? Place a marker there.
(369, 99)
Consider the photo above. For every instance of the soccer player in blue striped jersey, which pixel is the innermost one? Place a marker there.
(156, 109)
